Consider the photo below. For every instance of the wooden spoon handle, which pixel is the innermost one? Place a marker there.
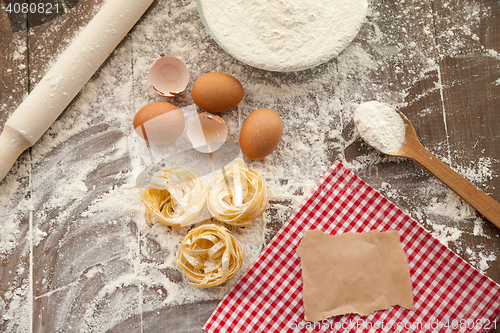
(483, 203)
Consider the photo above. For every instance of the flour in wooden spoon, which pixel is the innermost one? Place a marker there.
(381, 126)
(286, 34)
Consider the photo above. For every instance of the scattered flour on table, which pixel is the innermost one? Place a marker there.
(452, 207)
(478, 228)
(478, 171)
(479, 259)
(446, 234)
(493, 54)
(20, 51)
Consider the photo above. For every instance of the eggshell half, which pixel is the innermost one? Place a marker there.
(159, 123)
(260, 133)
(169, 76)
(217, 92)
(207, 132)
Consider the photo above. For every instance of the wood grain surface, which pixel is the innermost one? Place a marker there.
(440, 60)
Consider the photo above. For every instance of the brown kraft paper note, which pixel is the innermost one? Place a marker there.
(353, 273)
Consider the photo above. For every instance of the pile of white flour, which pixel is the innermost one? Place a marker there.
(381, 126)
(286, 34)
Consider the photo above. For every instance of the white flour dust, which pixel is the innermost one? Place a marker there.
(284, 35)
(96, 265)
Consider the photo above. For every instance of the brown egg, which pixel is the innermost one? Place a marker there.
(217, 92)
(159, 122)
(260, 133)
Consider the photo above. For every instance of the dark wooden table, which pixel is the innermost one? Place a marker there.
(439, 61)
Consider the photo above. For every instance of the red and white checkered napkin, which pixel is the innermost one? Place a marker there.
(449, 294)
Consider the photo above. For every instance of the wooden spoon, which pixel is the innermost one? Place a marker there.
(413, 149)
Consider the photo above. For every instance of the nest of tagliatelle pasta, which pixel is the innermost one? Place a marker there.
(237, 195)
(175, 197)
(209, 255)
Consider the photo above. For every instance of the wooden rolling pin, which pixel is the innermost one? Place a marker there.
(73, 68)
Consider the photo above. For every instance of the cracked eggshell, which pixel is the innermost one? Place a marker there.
(207, 132)
(159, 123)
(169, 76)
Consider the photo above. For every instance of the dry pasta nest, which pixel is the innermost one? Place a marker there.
(174, 197)
(209, 255)
(237, 195)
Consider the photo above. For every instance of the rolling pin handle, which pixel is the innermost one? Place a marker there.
(12, 144)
